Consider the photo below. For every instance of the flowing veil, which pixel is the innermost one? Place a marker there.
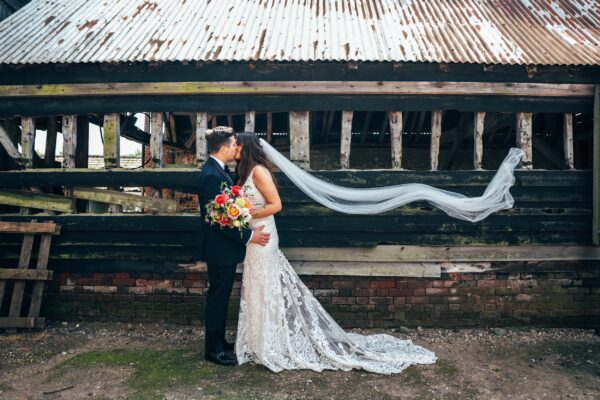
(380, 199)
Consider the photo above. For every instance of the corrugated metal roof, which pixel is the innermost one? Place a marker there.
(540, 32)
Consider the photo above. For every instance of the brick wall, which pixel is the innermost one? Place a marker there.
(461, 299)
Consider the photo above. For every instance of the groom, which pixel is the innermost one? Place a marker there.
(221, 248)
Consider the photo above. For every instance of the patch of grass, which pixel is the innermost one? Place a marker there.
(4, 387)
(446, 368)
(155, 370)
(413, 375)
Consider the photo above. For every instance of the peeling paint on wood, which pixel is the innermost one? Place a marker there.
(299, 138)
(69, 131)
(396, 138)
(524, 139)
(568, 140)
(112, 139)
(200, 131)
(436, 133)
(27, 140)
(249, 121)
(156, 139)
(346, 139)
(478, 140)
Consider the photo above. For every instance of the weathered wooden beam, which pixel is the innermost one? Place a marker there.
(125, 199)
(436, 134)
(596, 170)
(411, 253)
(299, 87)
(22, 322)
(29, 227)
(37, 291)
(249, 121)
(365, 127)
(568, 140)
(40, 201)
(112, 139)
(7, 142)
(384, 124)
(346, 139)
(83, 142)
(200, 130)
(172, 128)
(25, 274)
(19, 286)
(269, 127)
(27, 140)
(524, 138)
(69, 131)
(50, 150)
(300, 138)
(396, 138)
(478, 140)
(156, 139)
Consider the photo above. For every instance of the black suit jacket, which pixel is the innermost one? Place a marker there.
(222, 246)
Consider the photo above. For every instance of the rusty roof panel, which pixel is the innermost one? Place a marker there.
(543, 32)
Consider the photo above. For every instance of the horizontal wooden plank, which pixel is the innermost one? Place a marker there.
(126, 199)
(187, 178)
(300, 88)
(22, 322)
(29, 227)
(408, 253)
(21, 198)
(26, 274)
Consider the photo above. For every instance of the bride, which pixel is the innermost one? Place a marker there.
(281, 325)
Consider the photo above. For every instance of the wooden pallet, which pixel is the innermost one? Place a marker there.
(22, 274)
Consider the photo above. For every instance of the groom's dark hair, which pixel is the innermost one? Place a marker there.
(217, 138)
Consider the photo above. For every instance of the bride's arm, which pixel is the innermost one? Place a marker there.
(265, 185)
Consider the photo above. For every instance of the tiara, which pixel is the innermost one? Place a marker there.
(219, 129)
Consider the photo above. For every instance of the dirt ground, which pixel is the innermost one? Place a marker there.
(156, 361)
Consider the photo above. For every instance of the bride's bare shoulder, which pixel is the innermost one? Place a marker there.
(261, 174)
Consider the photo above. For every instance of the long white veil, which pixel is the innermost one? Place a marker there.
(380, 199)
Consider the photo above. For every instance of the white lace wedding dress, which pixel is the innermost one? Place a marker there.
(282, 325)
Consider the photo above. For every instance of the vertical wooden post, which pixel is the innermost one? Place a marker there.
(249, 125)
(27, 140)
(436, 133)
(50, 151)
(396, 138)
(346, 139)
(524, 129)
(568, 140)
(112, 137)
(69, 131)
(478, 139)
(156, 139)
(596, 169)
(269, 127)
(214, 121)
(300, 138)
(201, 126)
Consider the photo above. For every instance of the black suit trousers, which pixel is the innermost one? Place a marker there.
(220, 280)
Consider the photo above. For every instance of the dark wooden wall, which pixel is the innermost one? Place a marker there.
(551, 207)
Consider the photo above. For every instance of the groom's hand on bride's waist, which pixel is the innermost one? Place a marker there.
(260, 237)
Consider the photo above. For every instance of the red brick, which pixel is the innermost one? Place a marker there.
(438, 284)
(382, 292)
(364, 292)
(418, 300)
(193, 276)
(436, 291)
(399, 300)
(457, 299)
(343, 284)
(381, 300)
(123, 282)
(486, 282)
(154, 283)
(387, 284)
(400, 292)
(339, 300)
(419, 292)
(362, 300)
(122, 275)
(105, 289)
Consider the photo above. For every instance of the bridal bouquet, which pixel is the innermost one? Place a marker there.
(230, 208)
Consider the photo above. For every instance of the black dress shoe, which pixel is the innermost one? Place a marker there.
(221, 358)
(229, 346)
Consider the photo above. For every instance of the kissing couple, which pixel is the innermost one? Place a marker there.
(281, 325)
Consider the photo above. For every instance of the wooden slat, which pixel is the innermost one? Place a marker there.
(300, 139)
(38, 287)
(22, 322)
(300, 87)
(596, 170)
(27, 140)
(156, 139)
(50, 149)
(249, 124)
(524, 139)
(25, 274)
(82, 151)
(269, 127)
(478, 140)
(40, 201)
(200, 131)
(125, 199)
(568, 140)
(346, 139)
(9, 146)
(19, 287)
(436, 134)
(411, 253)
(29, 227)
(334, 268)
(112, 139)
(396, 138)
(69, 131)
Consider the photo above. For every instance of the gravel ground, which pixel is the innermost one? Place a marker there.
(156, 361)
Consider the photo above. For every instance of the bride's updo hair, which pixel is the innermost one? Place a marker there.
(251, 155)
